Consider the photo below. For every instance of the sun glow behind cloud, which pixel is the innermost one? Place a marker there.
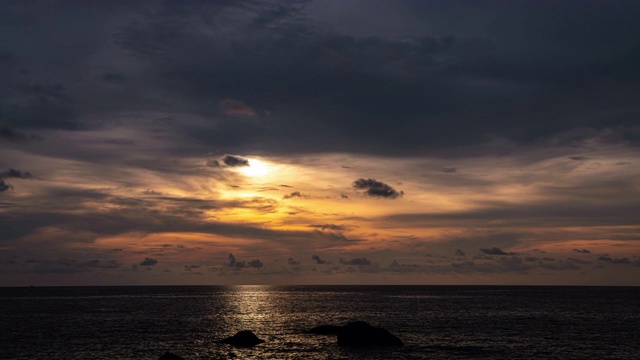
(256, 168)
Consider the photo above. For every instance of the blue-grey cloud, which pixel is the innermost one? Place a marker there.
(494, 251)
(356, 262)
(375, 188)
(149, 262)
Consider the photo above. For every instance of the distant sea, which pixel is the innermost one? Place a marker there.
(435, 322)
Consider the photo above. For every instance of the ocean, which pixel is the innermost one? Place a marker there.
(434, 322)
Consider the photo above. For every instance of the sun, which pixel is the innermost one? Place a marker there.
(256, 168)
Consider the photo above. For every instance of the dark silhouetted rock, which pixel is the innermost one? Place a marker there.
(170, 356)
(359, 333)
(244, 338)
(325, 330)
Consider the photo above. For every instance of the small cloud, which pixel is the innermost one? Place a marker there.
(329, 226)
(623, 163)
(374, 188)
(449, 170)
(343, 196)
(149, 262)
(578, 158)
(494, 251)
(356, 262)
(235, 160)
(151, 192)
(318, 260)
(213, 163)
(292, 195)
(582, 251)
(255, 263)
(293, 262)
(236, 108)
(460, 252)
(4, 186)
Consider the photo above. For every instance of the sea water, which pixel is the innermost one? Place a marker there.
(434, 322)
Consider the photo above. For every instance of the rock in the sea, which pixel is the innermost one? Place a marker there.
(170, 356)
(359, 333)
(244, 338)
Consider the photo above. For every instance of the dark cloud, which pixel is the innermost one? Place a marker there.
(39, 106)
(113, 78)
(608, 259)
(578, 158)
(13, 173)
(578, 261)
(292, 195)
(4, 186)
(10, 134)
(318, 260)
(374, 188)
(460, 252)
(293, 262)
(329, 227)
(242, 264)
(449, 170)
(356, 262)
(213, 163)
(434, 87)
(148, 262)
(582, 251)
(235, 160)
(494, 251)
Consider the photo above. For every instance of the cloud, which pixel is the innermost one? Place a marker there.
(293, 262)
(4, 186)
(614, 260)
(148, 262)
(236, 108)
(242, 264)
(356, 262)
(374, 188)
(39, 106)
(13, 173)
(318, 260)
(292, 195)
(460, 252)
(235, 160)
(329, 227)
(10, 134)
(578, 158)
(449, 170)
(213, 163)
(494, 251)
(582, 251)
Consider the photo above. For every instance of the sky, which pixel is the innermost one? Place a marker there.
(319, 142)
